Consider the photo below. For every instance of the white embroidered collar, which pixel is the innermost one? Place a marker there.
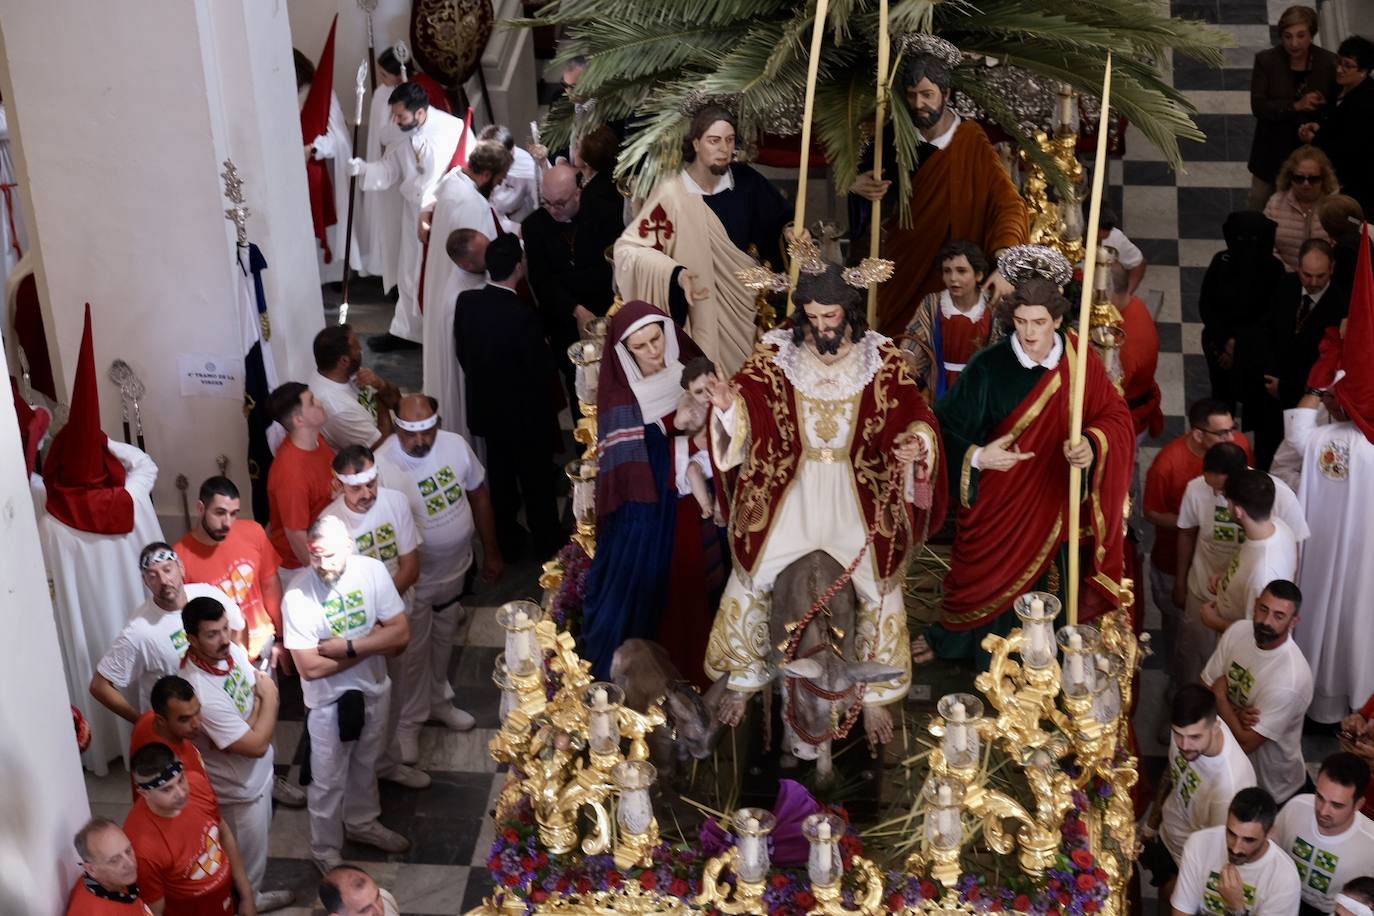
(948, 309)
(837, 381)
(726, 183)
(1049, 362)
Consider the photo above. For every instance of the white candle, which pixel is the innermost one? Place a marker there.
(958, 736)
(946, 816)
(1075, 672)
(599, 698)
(635, 811)
(1038, 645)
(588, 350)
(749, 848)
(821, 864)
(1037, 607)
(1066, 108)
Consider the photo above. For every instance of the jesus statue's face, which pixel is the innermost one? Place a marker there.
(927, 103)
(715, 148)
(828, 325)
(1035, 330)
(646, 345)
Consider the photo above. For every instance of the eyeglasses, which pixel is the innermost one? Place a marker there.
(1307, 179)
(1346, 63)
(1219, 433)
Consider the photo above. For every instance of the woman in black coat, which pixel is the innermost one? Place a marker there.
(1345, 128)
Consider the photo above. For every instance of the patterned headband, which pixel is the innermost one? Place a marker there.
(1024, 262)
(418, 426)
(169, 772)
(161, 555)
(358, 479)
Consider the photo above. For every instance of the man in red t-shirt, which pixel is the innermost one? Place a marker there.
(1357, 737)
(1177, 463)
(235, 554)
(188, 862)
(173, 719)
(1139, 355)
(108, 885)
(301, 481)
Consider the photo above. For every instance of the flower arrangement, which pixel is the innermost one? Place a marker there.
(566, 609)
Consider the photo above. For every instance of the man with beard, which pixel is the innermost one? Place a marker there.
(445, 486)
(683, 249)
(174, 720)
(1206, 769)
(357, 401)
(1263, 687)
(833, 444)
(343, 617)
(415, 164)
(237, 719)
(153, 642)
(234, 554)
(959, 191)
(1330, 841)
(108, 883)
(1236, 868)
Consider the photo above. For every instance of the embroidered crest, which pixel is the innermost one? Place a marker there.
(1334, 460)
(657, 224)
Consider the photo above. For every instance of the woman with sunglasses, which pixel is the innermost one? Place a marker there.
(1304, 180)
(1345, 127)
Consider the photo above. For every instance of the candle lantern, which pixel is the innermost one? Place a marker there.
(823, 832)
(752, 827)
(509, 698)
(961, 712)
(1107, 698)
(1079, 645)
(603, 717)
(635, 813)
(582, 473)
(596, 328)
(1037, 611)
(585, 355)
(523, 655)
(944, 825)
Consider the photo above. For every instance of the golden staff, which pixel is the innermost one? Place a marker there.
(812, 68)
(875, 225)
(1080, 367)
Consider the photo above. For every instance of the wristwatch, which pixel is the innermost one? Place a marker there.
(350, 651)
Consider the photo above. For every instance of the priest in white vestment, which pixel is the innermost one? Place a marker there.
(415, 166)
(379, 213)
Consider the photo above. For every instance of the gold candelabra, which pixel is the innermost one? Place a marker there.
(1057, 223)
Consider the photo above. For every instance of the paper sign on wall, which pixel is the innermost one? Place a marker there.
(206, 376)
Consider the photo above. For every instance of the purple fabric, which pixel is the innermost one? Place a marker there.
(786, 846)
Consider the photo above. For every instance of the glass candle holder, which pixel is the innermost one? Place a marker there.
(523, 656)
(596, 328)
(823, 832)
(1107, 697)
(1078, 645)
(501, 676)
(585, 355)
(633, 779)
(1037, 611)
(582, 473)
(752, 827)
(944, 824)
(961, 712)
(603, 702)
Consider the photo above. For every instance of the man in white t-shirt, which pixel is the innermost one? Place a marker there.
(343, 617)
(1128, 253)
(153, 642)
(1236, 868)
(1206, 769)
(238, 715)
(1209, 538)
(381, 525)
(1269, 550)
(356, 400)
(1330, 841)
(1263, 686)
(445, 486)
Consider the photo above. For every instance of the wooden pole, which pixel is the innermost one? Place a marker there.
(1080, 367)
(812, 68)
(875, 218)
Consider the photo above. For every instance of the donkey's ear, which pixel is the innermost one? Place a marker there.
(868, 672)
(807, 668)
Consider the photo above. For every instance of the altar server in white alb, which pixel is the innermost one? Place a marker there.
(379, 213)
(343, 617)
(429, 138)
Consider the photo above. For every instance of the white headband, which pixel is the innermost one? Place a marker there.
(418, 426)
(1353, 906)
(161, 555)
(358, 479)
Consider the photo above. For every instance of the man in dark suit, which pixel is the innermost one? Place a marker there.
(1283, 346)
(512, 400)
(566, 241)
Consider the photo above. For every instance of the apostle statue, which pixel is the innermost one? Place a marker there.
(1006, 432)
(960, 189)
(684, 248)
(836, 451)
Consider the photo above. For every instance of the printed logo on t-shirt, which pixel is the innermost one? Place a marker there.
(211, 858)
(239, 690)
(379, 543)
(1239, 682)
(1212, 901)
(1224, 527)
(345, 615)
(1230, 571)
(1316, 866)
(178, 641)
(440, 490)
(239, 583)
(368, 399)
(1334, 460)
(1187, 780)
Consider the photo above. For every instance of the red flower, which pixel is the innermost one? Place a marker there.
(929, 890)
(494, 863)
(1091, 906)
(1021, 903)
(511, 835)
(896, 903)
(613, 879)
(1080, 828)
(510, 880)
(1082, 858)
(679, 887)
(584, 885)
(779, 880)
(527, 863)
(995, 906)
(1065, 897)
(542, 859)
(539, 895)
(648, 880)
(564, 883)
(804, 899)
(1054, 884)
(1086, 882)
(1101, 874)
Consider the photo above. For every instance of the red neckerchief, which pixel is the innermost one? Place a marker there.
(207, 667)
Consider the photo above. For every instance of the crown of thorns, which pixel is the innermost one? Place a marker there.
(695, 100)
(807, 254)
(1022, 262)
(914, 43)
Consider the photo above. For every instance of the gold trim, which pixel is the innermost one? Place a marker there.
(1095, 489)
(1019, 584)
(1038, 405)
(966, 477)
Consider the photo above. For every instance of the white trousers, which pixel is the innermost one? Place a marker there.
(343, 787)
(250, 820)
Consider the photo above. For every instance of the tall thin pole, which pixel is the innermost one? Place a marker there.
(812, 68)
(352, 191)
(1080, 367)
(875, 219)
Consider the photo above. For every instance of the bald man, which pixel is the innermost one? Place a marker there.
(350, 891)
(566, 241)
(445, 485)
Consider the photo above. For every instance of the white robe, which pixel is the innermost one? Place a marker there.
(380, 213)
(336, 145)
(1337, 575)
(11, 212)
(95, 584)
(457, 205)
(518, 195)
(414, 165)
